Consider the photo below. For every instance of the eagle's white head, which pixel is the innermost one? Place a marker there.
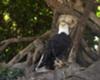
(65, 23)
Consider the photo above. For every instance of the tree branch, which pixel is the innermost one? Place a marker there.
(89, 52)
(28, 49)
(5, 43)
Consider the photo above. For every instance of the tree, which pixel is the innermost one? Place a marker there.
(82, 51)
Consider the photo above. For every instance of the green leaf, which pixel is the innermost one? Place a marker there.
(98, 14)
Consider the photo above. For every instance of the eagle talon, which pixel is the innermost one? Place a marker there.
(58, 63)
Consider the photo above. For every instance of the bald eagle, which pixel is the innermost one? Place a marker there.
(57, 46)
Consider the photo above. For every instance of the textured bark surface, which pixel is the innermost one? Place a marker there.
(71, 72)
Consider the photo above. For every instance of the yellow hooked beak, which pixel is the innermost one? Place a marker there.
(63, 24)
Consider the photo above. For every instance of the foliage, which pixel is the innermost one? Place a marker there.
(98, 9)
(10, 74)
(20, 18)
